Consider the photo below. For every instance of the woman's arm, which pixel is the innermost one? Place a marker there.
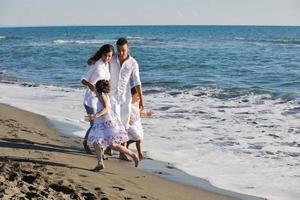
(85, 80)
(91, 86)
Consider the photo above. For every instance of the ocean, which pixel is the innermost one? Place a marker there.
(226, 98)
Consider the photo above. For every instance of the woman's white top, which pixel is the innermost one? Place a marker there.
(96, 72)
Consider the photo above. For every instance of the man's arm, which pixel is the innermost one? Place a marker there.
(140, 93)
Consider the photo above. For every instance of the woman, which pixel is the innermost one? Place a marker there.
(97, 71)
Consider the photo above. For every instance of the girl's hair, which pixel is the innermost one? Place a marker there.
(102, 86)
(133, 91)
(104, 49)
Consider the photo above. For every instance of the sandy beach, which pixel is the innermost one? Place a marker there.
(225, 100)
(38, 162)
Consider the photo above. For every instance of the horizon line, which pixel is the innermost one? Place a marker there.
(112, 25)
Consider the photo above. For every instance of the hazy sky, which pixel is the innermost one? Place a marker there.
(139, 12)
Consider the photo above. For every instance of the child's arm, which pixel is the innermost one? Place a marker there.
(145, 114)
(105, 100)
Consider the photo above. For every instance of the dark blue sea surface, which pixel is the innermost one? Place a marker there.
(235, 59)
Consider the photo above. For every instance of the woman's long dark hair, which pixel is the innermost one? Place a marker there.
(104, 49)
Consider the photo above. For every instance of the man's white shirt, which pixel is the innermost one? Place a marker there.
(122, 79)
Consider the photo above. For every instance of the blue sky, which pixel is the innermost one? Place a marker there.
(148, 12)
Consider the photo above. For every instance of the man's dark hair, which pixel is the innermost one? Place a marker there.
(121, 41)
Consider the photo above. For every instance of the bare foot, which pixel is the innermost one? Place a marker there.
(136, 160)
(98, 168)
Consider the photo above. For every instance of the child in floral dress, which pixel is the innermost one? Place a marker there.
(107, 130)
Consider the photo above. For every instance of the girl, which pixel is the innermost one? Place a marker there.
(107, 130)
(99, 70)
(135, 131)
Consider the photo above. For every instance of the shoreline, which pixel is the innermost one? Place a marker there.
(167, 171)
(159, 174)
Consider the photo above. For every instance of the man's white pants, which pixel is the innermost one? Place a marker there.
(121, 110)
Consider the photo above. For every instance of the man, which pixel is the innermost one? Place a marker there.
(124, 75)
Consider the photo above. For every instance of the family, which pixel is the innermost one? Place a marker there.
(114, 103)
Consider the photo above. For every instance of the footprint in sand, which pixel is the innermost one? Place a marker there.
(118, 188)
(83, 188)
(39, 166)
(161, 173)
(26, 130)
(25, 171)
(31, 195)
(12, 176)
(29, 178)
(61, 188)
(100, 192)
(34, 184)
(88, 195)
(71, 181)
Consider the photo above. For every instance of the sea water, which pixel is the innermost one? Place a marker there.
(226, 98)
